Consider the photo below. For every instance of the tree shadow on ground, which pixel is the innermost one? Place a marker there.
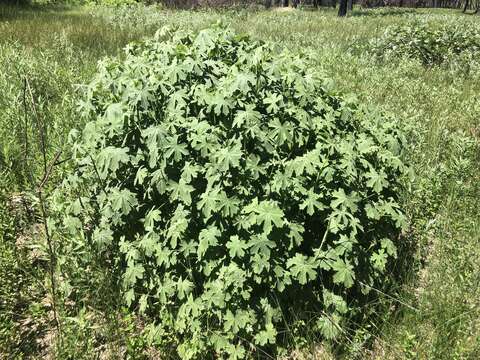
(12, 12)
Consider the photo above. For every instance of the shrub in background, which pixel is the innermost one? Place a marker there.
(228, 187)
(132, 16)
(432, 42)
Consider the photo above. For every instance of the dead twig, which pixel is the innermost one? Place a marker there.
(51, 249)
(47, 170)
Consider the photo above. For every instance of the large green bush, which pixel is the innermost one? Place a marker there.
(231, 190)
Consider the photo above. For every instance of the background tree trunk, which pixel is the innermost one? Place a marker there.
(285, 3)
(349, 5)
(466, 6)
(342, 10)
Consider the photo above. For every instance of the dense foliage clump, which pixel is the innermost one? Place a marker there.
(229, 187)
(431, 42)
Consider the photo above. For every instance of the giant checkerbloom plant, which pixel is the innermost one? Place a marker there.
(231, 188)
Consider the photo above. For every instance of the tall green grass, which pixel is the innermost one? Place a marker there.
(432, 311)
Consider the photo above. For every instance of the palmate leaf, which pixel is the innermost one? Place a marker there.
(142, 173)
(229, 157)
(174, 148)
(282, 181)
(312, 203)
(207, 238)
(203, 140)
(331, 300)
(302, 164)
(259, 264)
(239, 320)
(365, 144)
(159, 180)
(345, 201)
(295, 234)
(114, 115)
(267, 336)
(267, 213)
(220, 104)
(343, 273)
(72, 223)
(204, 41)
(236, 352)
(328, 326)
(143, 303)
(129, 250)
(177, 100)
(246, 117)
(149, 243)
(255, 167)
(236, 247)
(189, 172)
(178, 225)
(379, 259)
(220, 343)
(340, 219)
(389, 247)
(187, 247)
(273, 102)
(181, 191)
(166, 289)
(372, 212)
(260, 244)
(184, 287)
(76, 207)
(155, 137)
(242, 81)
(151, 218)
(209, 202)
(377, 181)
(281, 132)
(390, 209)
(302, 268)
(164, 256)
(133, 272)
(193, 65)
(230, 206)
(102, 236)
(174, 72)
(110, 158)
(122, 200)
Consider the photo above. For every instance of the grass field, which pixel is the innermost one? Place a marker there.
(432, 311)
